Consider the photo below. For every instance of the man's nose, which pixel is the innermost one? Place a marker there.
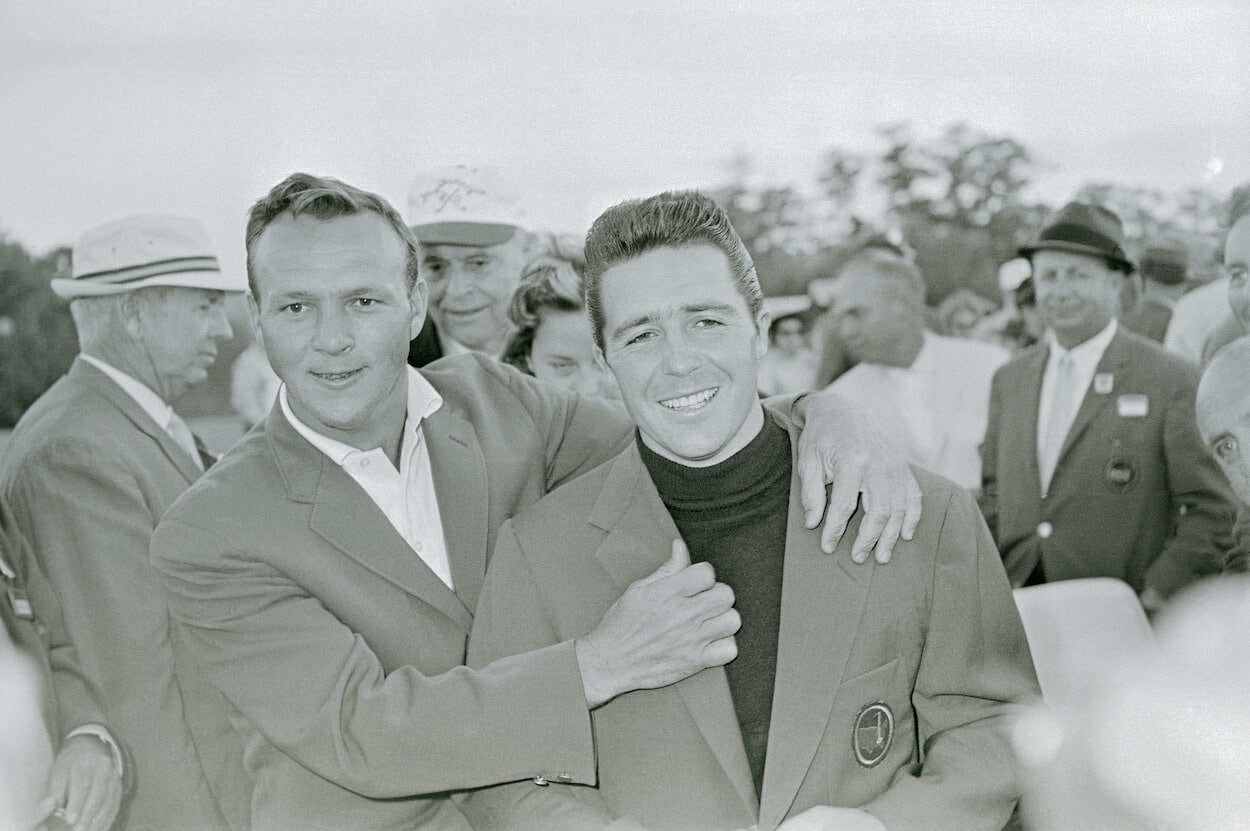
(333, 334)
(680, 357)
(221, 328)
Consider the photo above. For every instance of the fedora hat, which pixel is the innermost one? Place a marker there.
(141, 251)
(1084, 229)
(462, 205)
(1167, 264)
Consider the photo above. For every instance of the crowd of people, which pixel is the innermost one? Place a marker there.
(535, 531)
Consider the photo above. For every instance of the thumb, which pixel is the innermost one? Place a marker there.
(678, 560)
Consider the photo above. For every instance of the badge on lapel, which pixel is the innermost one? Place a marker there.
(1132, 405)
(873, 734)
(1104, 382)
(1120, 474)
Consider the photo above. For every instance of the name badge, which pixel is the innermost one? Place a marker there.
(1132, 406)
(21, 604)
(1104, 382)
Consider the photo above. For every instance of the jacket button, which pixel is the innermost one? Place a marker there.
(1045, 529)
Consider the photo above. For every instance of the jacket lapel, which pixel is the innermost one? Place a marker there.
(823, 599)
(1094, 402)
(345, 517)
(84, 373)
(459, 471)
(1020, 417)
(640, 538)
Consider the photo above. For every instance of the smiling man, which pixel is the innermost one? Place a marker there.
(859, 698)
(326, 572)
(1092, 461)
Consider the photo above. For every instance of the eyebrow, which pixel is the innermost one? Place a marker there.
(690, 308)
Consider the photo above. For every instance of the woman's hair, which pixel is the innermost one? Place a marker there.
(551, 282)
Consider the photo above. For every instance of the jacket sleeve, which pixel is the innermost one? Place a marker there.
(1201, 500)
(975, 676)
(579, 432)
(318, 692)
(511, 619)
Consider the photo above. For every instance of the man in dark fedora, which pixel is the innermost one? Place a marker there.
(1163, 271)
(1092, 461)
(88, 472)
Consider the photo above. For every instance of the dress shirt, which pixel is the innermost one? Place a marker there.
(1085, 358)
(406, 496)
(938, 406)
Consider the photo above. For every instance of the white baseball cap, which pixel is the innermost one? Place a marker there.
(461, 205)
(141, 251)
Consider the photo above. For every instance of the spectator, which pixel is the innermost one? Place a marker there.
(929, 390)
(789, 365)
(1093, 466)
(469, 222)
(253, 384)
(552, 339)
(1163, 270)
(1236, 268)
(89, 471)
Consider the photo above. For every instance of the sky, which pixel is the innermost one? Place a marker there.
(199, 106)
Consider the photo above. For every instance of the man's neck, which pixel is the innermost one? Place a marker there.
(126, 361)
(906, 350)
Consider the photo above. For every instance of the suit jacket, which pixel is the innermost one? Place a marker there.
(933, 635)
(426, 347)
(1150, 319)
(341, 651)
(1135, 494)
(88, 474)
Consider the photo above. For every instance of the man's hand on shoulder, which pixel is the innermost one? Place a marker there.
(85, 786)
(825, 818)
(666, 626)
(840, 445)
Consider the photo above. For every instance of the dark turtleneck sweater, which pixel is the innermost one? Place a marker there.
(733, 516)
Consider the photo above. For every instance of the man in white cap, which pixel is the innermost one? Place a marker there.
(475, 246)
(90, 469)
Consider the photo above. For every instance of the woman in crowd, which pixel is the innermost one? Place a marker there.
(552, 341)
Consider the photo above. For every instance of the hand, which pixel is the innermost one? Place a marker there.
(839, 445)
(84, 786)
(668, 625)
(825, 818)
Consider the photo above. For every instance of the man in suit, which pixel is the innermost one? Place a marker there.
(1092, 461)
(326, 571)
(1164, 269)
(75, 764)
(860, 698)
(90, 469)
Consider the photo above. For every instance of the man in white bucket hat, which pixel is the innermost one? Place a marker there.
(89, 471)
(475, 245)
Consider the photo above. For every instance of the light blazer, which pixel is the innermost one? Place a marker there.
(1166, 526)
(88, 474)
(934, 634)
(341, 650)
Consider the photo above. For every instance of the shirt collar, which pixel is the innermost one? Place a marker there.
(143, 395)
(423, 401)
(1089, 352)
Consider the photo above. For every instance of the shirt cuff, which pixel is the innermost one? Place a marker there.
(101, 733)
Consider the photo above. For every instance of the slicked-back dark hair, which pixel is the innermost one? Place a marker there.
(673, 219)
(302, 194)
(1238, 204)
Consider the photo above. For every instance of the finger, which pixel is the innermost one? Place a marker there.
(44, 810)
(80, 785)
(914, 499)
(843, 499)
(714, 601)
(720, 652)
(93, 793)
(724, 625)
(110, 801)
(692, 580)
(870, 529)
(58, 785)
(889, 537)
(678, 559)
(812, 487)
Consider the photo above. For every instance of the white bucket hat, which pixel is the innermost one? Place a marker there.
(462, 205)
(141, 251)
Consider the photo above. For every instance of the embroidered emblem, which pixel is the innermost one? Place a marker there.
(873, 734)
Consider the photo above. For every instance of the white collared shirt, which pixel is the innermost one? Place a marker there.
(1085, 359)
(143, 395)
(406, 496)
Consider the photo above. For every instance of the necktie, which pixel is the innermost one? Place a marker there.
(183, 435)
(1059, 420)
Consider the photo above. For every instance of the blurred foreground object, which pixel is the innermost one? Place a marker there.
(1159, 740)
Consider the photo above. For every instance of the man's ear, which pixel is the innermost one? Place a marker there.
(253, 313)
(763, 321)
(132, 314)
(419, 303)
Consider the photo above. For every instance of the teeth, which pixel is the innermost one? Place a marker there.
(690, 400)
(336, 376)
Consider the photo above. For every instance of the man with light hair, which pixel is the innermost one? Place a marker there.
(90, 469)
(931, 391)
(475, 246)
